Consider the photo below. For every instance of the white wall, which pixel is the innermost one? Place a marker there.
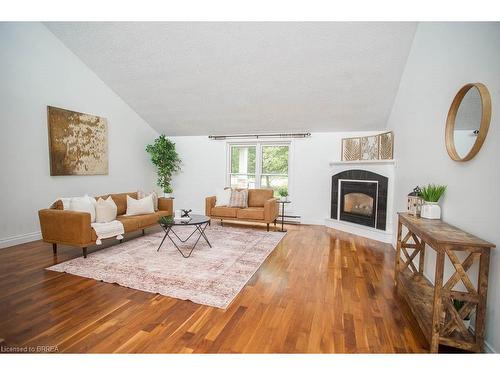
(204, 170)
(443, 58)
(37, 70)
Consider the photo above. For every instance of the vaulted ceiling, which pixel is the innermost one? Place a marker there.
(199, 78)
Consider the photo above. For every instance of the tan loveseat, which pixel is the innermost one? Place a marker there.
(73, 228)
(262, 208)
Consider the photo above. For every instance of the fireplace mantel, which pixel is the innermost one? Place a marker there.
(365, 162)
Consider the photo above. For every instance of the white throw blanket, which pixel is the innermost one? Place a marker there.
(107, 230)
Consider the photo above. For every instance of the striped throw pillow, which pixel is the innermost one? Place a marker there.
(239, 199)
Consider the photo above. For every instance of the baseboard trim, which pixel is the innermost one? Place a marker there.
(308, 221)
(488, 348)
(19, 239)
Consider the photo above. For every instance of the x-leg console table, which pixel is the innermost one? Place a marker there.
(440, 308)
(199, 222)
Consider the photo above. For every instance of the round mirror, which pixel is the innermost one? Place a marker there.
(468, 121)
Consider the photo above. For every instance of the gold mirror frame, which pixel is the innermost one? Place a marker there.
(483, 129)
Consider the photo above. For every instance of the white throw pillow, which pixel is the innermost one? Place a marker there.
(141, 194)
(222, 197)
(105, 210)
(83, 204)
(140, 206)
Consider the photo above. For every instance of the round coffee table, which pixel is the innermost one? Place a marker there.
(200, 223)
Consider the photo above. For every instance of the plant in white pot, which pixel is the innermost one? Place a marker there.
(283, 193)
(167, 161)
(431, 195)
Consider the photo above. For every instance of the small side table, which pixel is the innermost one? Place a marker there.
(283, 214)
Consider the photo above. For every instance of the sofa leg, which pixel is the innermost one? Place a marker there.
(268, 227)
(84, 252)
(121, 240)
(143, 232)
(54, 248)
(221, 223)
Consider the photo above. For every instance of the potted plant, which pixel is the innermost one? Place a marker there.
(283, 193)
(458, 306)
(431, 195)
(165, 158)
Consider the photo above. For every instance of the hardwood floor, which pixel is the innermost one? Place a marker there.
(320, 291)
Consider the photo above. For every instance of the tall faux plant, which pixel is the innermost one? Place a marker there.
(166, 160)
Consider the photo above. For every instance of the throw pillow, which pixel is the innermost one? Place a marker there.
(222, 198)
(105, 210)
(140, 206)
(83, 204)
(141, 194)
(239, 199)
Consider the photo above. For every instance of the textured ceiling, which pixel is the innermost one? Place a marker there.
(212, 78)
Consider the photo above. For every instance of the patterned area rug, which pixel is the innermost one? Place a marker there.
(211, 276)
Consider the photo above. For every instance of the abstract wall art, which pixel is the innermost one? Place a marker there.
(78, 143)
(374, 147)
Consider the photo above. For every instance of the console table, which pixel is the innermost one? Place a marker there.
(433, 304)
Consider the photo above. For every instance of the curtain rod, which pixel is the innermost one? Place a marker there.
(257, 136)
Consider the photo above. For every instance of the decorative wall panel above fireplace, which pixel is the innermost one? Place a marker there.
(360, 197)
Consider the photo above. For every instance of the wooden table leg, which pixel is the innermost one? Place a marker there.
(482, 289)
(421, 258)
(398, 254)
(436, 312)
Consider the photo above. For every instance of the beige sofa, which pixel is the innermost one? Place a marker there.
(73, 228)
(262, 208)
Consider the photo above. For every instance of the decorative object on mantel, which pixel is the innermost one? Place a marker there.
(375, 147)
(351, 149)
(386, 146)
(283, 193)
(431, 195)
(415, 201)
(468, 122)
(167, 161)
(78, 143)
(434, 305)
(369, 148)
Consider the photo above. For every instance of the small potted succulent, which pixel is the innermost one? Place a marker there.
(283, 193)
(431, 195)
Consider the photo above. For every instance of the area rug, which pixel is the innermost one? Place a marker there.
(211, 276)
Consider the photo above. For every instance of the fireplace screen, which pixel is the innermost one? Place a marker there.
(358, 203)
(360, 197)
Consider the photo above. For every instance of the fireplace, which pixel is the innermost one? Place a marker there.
(360, 197)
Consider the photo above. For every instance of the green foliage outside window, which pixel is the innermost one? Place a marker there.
(274, 162)
(275, 159)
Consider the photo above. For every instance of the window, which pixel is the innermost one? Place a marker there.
(259, 165)
(242, 173)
